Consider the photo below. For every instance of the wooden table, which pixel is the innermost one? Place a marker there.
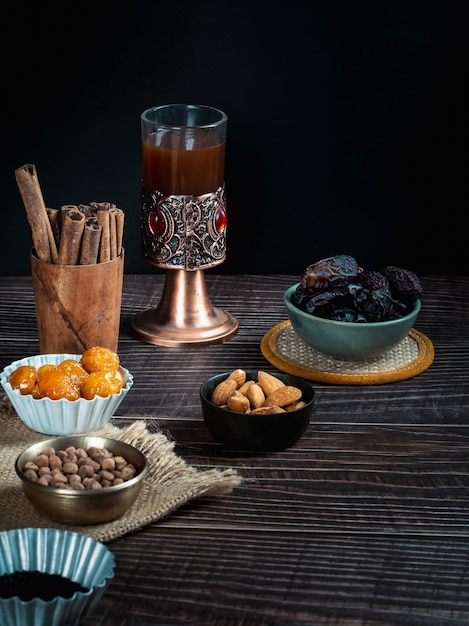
(365, 521)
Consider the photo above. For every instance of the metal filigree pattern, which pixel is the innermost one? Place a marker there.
(184, 232)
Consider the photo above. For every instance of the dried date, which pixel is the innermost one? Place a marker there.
(404, 284)
(334, 270)
(337, 288)
(375, 300)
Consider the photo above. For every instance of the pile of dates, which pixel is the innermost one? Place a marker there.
(337, 288)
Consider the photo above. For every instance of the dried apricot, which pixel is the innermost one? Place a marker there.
(96, 359)
(42, 369)
(97, 384)
(69, 378)
(35, 393)
(116, 380)
(23, 378)
(73, 369)
(57, 384)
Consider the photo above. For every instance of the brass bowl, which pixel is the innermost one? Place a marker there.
(86, 506)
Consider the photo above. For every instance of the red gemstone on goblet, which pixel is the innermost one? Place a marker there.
(156, 222)
(220, 218)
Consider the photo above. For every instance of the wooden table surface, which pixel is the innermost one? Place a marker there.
(365, 521)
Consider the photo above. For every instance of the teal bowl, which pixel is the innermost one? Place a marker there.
(349, 341)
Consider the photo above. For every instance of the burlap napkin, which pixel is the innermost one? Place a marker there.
(169, 484)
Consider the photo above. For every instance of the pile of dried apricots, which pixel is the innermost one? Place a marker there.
(97, 373)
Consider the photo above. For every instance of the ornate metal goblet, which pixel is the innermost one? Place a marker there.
(184, 222)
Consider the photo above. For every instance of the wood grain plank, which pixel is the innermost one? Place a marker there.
(363, 522)
(277, 579)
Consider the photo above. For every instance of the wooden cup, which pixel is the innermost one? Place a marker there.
(77, 306)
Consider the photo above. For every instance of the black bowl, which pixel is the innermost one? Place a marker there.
(256, 432)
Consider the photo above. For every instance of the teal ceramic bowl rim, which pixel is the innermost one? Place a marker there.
(287, 297)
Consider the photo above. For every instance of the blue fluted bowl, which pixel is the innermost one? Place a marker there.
(62, 417)
(76, 557)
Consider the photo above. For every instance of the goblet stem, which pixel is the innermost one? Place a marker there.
(184, 314)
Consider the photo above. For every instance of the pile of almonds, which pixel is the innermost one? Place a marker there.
(268, 394)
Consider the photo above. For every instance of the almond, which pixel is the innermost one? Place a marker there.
(295, 405)
(238, 402)
(239, 376)
(283, 396)
(268, 382)
(255, 395)
(243, 389)
(223, 391)
(268, 410)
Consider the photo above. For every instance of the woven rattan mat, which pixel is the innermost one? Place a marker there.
(282, 347)
(169, 484)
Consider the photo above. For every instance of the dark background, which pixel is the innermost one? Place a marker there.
(347, 123)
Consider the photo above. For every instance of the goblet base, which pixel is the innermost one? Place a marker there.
(147, 328)
(184, 314)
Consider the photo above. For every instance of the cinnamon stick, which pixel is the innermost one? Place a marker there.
(65, 208)
(54, 219)
(42, 235)
(113, 233)
(70, 241)
(90, 243)
(101, 206)
(119, 220)
(104, 221)
(89, 211)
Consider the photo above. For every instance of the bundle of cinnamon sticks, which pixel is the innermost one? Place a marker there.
(74, 234)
